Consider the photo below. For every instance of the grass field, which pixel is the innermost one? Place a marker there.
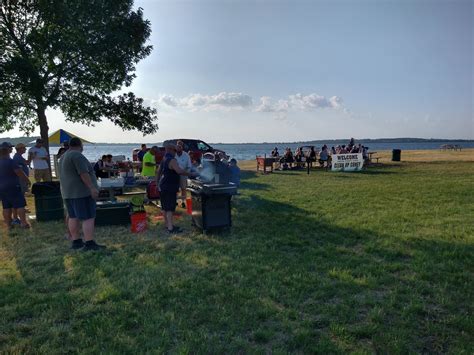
(379, 261)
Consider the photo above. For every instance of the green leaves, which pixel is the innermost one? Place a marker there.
(72, 55)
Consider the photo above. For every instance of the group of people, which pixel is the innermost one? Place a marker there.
(172, 174)
(323, 156)
(104, 167)
(79, 188)
(14, 178)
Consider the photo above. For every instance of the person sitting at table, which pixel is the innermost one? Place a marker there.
(109, 165)
(99, 168)
(287, 158)
(275, 153)
(299, 156)
(324, 156)
(312, 155)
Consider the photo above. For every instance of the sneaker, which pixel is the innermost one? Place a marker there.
(92, 245)
(16, 222)
(77, 244)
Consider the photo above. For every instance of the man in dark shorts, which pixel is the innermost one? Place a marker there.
(11, 177)
(23, 164)
(80, 191)
(168, 179)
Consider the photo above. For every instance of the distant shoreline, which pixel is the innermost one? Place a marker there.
(319, 141)
(27, 140)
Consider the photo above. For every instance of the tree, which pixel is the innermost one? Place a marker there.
(71, 55)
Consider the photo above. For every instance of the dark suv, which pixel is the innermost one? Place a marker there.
(196, 147)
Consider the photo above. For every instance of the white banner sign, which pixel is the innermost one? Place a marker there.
(347, 162)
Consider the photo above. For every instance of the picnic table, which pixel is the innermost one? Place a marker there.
(371, 157)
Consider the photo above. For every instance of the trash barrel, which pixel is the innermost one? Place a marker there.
(48, 201)
(396, 154)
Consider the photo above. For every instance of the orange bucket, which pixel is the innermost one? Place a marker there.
(139, 222)
(189, 206)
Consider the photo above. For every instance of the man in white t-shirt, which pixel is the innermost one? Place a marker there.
(39, 157)
(184, 162)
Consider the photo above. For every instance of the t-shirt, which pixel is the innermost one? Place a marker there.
(8, 179)
(323, 155)
(148, 170)
(71, 165)
(140, 154)
(184, 161)
(21, 162)
(37, 153)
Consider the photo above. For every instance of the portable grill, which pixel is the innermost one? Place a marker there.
(211, 203)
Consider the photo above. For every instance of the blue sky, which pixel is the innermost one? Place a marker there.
(239, 71)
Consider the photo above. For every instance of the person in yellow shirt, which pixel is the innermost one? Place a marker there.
(149, 162)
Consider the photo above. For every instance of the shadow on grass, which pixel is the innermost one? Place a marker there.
(282, 279)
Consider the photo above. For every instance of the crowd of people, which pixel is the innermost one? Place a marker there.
(313, 154)
(14, 178)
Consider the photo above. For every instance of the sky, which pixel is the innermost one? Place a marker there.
(263, 71)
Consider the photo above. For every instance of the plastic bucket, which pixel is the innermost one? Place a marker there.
(189, 206)
(139, 222)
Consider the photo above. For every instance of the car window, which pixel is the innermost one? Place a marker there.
(203, 147)
(190, 146)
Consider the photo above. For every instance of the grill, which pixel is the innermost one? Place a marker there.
(211, 204)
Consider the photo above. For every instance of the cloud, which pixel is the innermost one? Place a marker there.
(314, 101)
(197, 102)
(267, 104)
(227, 101)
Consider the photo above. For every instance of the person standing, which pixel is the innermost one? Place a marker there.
(142, 152)
(168, 179)
(80, 191)
(234, 172)
(22, 163)
(149, 162)
(184, 162)
(10, 187)
(40, 158)
(63, 149)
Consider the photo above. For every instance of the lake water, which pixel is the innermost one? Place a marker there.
(249, 151)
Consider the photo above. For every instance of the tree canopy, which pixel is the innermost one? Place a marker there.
(73, 56)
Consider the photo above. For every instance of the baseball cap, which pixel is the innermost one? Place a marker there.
(39, 140)
(6, 145)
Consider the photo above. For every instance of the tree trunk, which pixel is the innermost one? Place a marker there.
(44, 130)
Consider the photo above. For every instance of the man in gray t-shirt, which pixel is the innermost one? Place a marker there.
(80, 191)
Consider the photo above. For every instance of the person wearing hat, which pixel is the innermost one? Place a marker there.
(10, 188)
(40, 158)
(168, 179)
(23, 164)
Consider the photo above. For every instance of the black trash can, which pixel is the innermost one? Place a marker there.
(396, 154)
(48, 201)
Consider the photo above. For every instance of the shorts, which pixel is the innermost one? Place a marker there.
(13, 198)
(83, 208)
(168, 201)
(42, 175)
